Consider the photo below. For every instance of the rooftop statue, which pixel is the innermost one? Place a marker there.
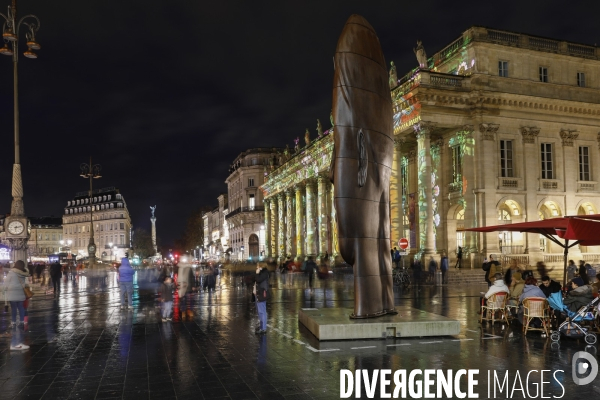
(362, 165)
(421, 56)
(307, 137)
(153, 208)
(393, 76)
(319, 128)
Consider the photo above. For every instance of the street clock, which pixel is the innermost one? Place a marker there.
(91, 249)
(17, 227)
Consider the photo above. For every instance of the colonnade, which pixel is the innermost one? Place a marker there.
(300, 220)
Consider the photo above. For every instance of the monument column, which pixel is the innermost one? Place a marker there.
(274, 223)
(426, 230)
(267, 205)
(281, 230)
(153, 220)
(299, 222)
(322, 200)
(290, 222)
(311, 245)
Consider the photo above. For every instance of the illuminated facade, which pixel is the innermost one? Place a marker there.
(46, 236)
(298, 196)
(216, 232)
(501, 127)
(112, 223)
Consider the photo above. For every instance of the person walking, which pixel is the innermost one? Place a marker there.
(571, 270)
(14, 293)
(166, 298)
(126, 283)
(444, 268)
(458, 258)
(262, 293)
(309, 270)
(56, 275)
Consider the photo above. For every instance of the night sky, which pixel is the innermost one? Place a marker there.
(164, 94)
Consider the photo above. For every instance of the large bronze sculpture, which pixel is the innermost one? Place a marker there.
(362, 165)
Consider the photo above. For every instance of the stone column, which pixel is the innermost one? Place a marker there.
(396, 209)
(322, 215)
(299, 222)
(311, 245)
(274, 227)
(267, 230)
(335, 248)
(290, 222)
(426, 230)
(153, 220)
(281, 230)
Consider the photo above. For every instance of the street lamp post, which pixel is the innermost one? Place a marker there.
(17, 223)
(92, 172)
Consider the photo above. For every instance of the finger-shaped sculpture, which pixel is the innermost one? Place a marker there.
(362, 112)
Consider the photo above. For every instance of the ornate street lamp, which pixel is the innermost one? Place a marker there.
(92, 172)
(17, 224)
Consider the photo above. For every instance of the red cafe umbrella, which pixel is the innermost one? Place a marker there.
(583, 229)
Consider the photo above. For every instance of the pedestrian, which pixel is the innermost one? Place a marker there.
(396, 257)
(126, 283)
(14, 293)
(583, 273)
(309, 270)
(459, 258)
(262, 294)
(55, 275)
(185, 284)
(444, 267)
(166, 298)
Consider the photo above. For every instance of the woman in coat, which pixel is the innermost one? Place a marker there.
(14, 293)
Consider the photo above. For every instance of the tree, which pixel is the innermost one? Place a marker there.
(142, 243)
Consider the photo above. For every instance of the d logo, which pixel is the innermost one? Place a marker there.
(581, 363)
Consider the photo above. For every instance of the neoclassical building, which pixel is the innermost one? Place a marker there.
(498, 127)
(216, 232)
(299, 212)
(245, 220)
(112, 224)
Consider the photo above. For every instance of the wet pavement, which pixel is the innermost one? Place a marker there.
(84, 347)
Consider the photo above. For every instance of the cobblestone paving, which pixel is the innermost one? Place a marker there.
(84, 347)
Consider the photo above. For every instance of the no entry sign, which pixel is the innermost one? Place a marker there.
(403, 243)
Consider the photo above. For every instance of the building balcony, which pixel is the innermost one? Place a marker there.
(586, 186)
(509, 183)
(549, 184)
(244, 209)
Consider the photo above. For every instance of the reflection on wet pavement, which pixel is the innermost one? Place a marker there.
(84, 346)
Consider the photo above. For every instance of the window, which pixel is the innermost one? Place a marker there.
(457, 164)
(546, 155)
(543, 74)
(584, 163)
(250, 182)
(255, 161)
(54, 236)
(251, 201)
(503, 69)
(122, 239)
(39, 236)
(122, 225)
(506, 159)
(581, 79)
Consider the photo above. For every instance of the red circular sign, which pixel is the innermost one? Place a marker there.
(403, 243)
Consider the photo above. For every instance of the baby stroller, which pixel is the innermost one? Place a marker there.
(571, 327)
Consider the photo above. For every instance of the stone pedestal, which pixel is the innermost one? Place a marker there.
(335, 324)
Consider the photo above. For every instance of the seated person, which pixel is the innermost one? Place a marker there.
(549, 286)
(579, 296)
(531, 289)
(498, 286)
(516, 288)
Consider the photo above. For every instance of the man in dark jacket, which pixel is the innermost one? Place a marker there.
(549, 286)
(56, 274)
(310, 269)
(262, 292)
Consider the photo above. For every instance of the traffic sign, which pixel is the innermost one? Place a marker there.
(403, 243)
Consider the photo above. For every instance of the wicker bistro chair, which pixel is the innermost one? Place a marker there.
(536, 307)
(495, 304)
